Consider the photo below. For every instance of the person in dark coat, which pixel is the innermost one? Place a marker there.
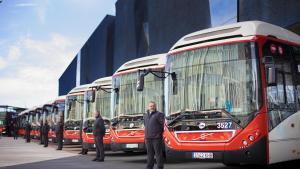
(16, 130)
(41, 132)
(46, 129)
(27, 132)
(83, 150)
(59, 131)
(99, 132)
(154, 127)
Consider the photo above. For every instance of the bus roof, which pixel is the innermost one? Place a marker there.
(61, 98)
(80, 88)
(23, 112)
(105, 81)
(153, 60)
(240, 29)
(58, 99)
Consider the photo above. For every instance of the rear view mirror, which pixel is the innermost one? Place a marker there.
(175, 83)
(91, 96)
(271, 76)
(69, 106)
(140, 81)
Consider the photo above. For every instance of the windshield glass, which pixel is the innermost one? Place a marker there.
(74, 113)
(48, 114)
(103, 103)
(59, 109)
(216, 77)
(128, 101)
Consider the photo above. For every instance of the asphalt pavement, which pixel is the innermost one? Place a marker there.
(16, 154)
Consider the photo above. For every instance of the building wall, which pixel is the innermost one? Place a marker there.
(67, 80)
(169, 20)
(279, 12)
(147, 27)
(125, 38)
(140, 28)
(96, 54)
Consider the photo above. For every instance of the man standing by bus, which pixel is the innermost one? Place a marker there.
(59, 131)
(99, 132)
(46, 129)
(41, 132)
(154, 127)
(27, 132)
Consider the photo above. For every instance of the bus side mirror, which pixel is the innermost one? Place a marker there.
(140, 82)
(92, 95)
(175, 83)
(271, 76)
(69, 106)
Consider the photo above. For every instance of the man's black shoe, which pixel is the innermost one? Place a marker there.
(95, 159)
(100, 160)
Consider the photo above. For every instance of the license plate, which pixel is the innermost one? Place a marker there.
(132, 145)
(202, 155)
(75, 141)
(50, 139)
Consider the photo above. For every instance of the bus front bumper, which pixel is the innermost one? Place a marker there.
(255, 154)
(71, 141)
(128, 146)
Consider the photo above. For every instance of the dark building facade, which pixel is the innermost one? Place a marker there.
(68, 79)
(284, 13)
(97, 53)
(140, 28)
(169, 20)
(147, 27)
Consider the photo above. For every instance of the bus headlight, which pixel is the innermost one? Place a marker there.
(245, 143)
(251, 138)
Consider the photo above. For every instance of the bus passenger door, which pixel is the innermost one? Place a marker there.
(283, 118)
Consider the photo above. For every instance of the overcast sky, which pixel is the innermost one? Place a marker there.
(39, 38)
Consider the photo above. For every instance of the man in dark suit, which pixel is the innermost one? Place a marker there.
(99, 132)
(27, 131)
(41, 132)
(154, 127)
(59, 132)
(46, 129)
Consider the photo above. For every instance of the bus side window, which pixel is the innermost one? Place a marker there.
(297, 83)
(296, 51)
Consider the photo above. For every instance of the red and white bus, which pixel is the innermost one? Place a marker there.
(97, 99)
(73, 114)
(39, 117)
(33, 120)
(129, 105)
(23, 117)
(52, 111)
(237, 97)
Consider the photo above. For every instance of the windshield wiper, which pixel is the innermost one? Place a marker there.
(180, 116)
(188, 113)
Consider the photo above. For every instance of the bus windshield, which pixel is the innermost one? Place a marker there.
(74, 113)
(128, 101)
(58, 111)
(101, 104)
(217, 77)
(48, 114)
